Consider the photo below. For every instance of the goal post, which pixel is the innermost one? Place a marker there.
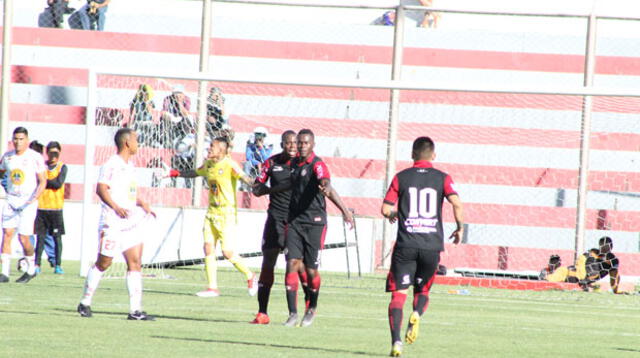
(485, 133)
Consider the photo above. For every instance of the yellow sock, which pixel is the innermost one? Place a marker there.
(210, 269)
(237, 262)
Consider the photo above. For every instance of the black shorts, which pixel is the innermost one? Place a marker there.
(412, 267)
(304, 241)
(273, 236)
(49, 222)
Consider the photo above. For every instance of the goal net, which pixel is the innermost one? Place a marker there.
(515, 159)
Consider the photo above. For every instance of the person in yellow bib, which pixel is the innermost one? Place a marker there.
(222, 174)
(49, 218)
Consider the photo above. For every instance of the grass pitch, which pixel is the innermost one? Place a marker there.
(40, 319)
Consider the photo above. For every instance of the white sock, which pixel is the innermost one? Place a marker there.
(91, 285)
(134, 285)
(6, 263)
(31, 264)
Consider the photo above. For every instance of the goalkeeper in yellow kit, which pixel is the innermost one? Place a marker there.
(222, 174)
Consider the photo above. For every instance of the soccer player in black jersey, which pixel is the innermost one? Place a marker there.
(419, 192)
(307, 223)
(277, 171)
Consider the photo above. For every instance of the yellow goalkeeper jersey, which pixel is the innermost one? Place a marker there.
(222, 177)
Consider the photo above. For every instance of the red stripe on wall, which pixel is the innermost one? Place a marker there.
(501, 60)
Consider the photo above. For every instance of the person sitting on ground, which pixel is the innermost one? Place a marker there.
(609, 263)
(555, 272)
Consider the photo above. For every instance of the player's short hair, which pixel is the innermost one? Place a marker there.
(22, 130)
(594, 251)
(605, 240)
(308, 132)
(287, 133)
(54, 145)
(554, 259)
(121, 137)
(423, 147)
(37, 146)
(223, 140)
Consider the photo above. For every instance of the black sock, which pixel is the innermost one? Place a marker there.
(264, 290)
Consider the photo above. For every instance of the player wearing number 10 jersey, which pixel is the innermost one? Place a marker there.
(419, 192)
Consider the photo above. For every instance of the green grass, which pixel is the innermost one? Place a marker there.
(39, 319)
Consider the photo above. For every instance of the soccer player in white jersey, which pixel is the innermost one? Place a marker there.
(123, 221)
(26, 180)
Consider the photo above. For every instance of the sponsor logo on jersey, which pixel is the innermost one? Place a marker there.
(418, 280)
(220, 171)
(304, 172)
(277, 168)
(420, 225)
(422, 170)
(317, 219)
(406, 280)
(17, 177)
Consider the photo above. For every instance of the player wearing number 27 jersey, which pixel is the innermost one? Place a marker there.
(419, 193)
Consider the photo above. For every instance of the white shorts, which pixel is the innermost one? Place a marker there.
(118, 235)
(22, 218)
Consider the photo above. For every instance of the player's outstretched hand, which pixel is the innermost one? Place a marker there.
(457, 236)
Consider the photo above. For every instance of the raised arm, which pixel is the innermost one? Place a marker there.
(184, 174)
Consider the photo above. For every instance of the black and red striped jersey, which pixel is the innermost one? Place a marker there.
(420, 192)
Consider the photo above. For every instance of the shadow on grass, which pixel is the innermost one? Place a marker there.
(271, 345)
(628, 350)
(124, 314)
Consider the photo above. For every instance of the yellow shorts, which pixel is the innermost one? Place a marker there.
(220, 228)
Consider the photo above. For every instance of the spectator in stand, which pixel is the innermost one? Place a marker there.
(49, 219)
(176, 121)
(216, 120)
(53, 16)
(428, 19)
(94, 12)
(141, 117)
(387, 19)
(257, 152)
